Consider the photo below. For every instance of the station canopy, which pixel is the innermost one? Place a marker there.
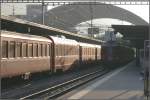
(136, 34)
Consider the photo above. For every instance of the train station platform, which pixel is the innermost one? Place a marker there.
(124, 83)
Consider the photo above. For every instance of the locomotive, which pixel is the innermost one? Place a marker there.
(114, 53)
(24, 54)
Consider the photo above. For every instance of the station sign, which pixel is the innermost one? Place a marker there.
(93, 30)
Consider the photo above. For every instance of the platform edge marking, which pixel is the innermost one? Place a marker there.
(86, 90)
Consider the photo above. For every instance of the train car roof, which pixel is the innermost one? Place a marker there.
(98, 46)
(59, 40)
(88, 45)
(24, 36)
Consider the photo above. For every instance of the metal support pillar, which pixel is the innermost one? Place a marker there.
(91, 25)
(147, 68)
(43, 12)
(137, 57)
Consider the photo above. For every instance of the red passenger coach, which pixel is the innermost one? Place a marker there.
(23, 54)
(66, 53)
(89, 53)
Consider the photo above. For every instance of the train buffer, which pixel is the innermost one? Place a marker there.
(124, 83)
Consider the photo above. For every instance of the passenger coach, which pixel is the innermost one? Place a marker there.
(25, 54)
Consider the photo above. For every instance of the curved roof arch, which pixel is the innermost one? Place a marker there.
(71, 15)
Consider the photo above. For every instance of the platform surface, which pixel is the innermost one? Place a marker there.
(121, 84)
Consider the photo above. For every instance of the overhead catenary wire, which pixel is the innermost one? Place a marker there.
(81, 2)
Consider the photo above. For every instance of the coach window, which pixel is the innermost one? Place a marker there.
(12, 49)
(56, 50)
(75, 50)
(24, 49)
(88, 51)
(72, 49)
(19, 49)
(39, 49)
(48, 50)
(93, 51)
(43, 49)
(59, 50)
(68, 50)
(30, 50)
(63, 46)
(84, 51)
(62, 50)
(35, 50)
(5, 49)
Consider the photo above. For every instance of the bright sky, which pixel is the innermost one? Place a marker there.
(140, 10)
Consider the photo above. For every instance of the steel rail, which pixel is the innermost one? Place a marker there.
(62, 88)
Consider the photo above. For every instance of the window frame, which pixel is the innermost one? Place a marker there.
(6, 50)
(10, 51)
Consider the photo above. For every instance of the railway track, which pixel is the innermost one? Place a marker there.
(60, 89)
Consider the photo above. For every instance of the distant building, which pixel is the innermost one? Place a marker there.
(10, 9)
(33, 13)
